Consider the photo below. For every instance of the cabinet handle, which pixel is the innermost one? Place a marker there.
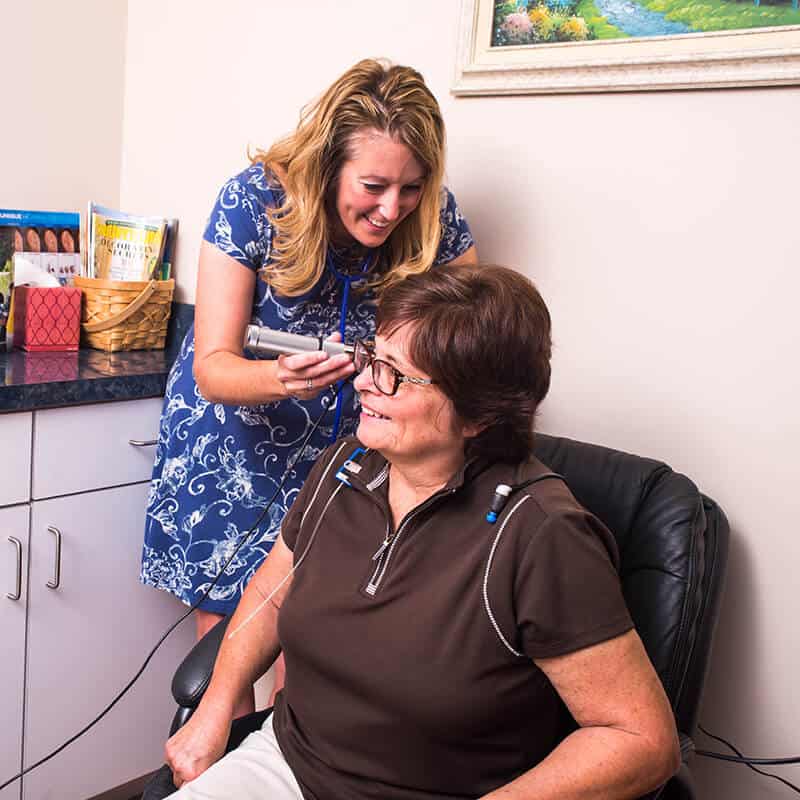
(18, 593)
(142, 442)
(56, 582)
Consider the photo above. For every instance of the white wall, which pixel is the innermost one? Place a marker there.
(61, 127)
(661, 228)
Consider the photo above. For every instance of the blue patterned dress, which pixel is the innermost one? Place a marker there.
(218, 465)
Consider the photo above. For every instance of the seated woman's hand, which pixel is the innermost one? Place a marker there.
(197, 745)
(305, 375)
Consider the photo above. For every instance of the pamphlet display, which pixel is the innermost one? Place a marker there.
(120, 284)
(36, 243)
(127, 247)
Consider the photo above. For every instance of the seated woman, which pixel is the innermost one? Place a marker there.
(430, 651)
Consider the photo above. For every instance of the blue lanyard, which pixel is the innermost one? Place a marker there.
(346, 281)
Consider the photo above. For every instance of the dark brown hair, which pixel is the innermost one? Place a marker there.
(483, 334)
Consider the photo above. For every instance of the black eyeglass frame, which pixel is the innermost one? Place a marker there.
(362, 349)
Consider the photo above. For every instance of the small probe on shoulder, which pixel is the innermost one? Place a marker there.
(501, 494)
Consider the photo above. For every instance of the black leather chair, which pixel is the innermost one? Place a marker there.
(673, 543)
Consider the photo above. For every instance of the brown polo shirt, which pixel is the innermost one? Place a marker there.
(408, 651)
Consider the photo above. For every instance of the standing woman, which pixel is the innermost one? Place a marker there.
(301, 240)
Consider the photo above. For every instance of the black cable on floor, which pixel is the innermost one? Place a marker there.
(740, 759)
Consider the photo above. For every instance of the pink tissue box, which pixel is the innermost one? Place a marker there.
(47, 318)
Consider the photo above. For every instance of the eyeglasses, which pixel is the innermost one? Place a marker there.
(386, 378)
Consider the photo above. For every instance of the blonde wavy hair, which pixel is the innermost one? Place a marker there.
(371, 95)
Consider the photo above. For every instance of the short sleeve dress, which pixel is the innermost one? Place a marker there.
(217, 466)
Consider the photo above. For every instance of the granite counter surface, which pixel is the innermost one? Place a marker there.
(31, 381)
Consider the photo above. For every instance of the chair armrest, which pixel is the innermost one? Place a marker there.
(192, 677)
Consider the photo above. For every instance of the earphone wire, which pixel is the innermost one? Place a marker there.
(740, 759)
(334, 392)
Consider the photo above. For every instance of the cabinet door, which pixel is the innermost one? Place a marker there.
(86, 640)
(15, 445)
(13, 559)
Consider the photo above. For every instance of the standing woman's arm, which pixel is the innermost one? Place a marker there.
(225, 290)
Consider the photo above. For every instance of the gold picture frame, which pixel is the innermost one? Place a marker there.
(730, 58)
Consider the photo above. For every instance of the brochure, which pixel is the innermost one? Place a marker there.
(32, 241)
(122, 246)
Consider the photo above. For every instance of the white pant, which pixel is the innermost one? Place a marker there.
(255, 770)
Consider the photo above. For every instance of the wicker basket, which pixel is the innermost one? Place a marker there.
(125, 315)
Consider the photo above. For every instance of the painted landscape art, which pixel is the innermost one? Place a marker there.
(526, 22)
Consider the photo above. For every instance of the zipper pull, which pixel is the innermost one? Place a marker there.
(382, 549)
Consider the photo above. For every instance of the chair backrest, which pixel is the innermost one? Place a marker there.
(673, 544)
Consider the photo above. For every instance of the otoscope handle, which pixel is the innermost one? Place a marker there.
(267, 342)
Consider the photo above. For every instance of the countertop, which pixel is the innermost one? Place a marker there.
(31, 381)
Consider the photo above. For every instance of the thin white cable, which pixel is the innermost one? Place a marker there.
(486, 578)
(291, 572)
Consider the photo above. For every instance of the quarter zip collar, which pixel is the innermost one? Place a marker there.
(373, 475)
(371, 479)
(384, 553)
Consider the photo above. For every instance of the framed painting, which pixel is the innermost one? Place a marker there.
(550, 46)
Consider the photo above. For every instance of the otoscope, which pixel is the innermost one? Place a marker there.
(270, 343)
